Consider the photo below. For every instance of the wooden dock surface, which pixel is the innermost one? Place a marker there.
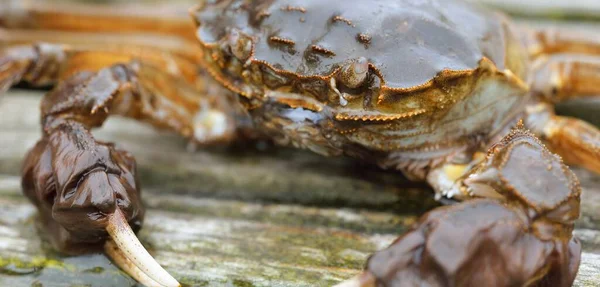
(250, 216)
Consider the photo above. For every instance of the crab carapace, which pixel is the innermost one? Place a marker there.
(442, 91)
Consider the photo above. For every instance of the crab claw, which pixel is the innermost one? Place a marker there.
(521, 235)
(129, 250)
(88, 195)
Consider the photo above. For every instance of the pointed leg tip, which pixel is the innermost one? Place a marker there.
(137, 261)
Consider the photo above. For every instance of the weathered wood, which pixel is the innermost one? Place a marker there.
(204, 241)
(241, 217)
(273, 218)
(244, 216)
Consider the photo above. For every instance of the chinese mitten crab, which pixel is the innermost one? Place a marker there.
(440, 90)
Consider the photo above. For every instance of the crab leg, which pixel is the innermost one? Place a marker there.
(97, 176)
(577, 141)
(513, 229)
(560, 78)
(45, 64)
(151, 88)
(103, 175)
(131, 250)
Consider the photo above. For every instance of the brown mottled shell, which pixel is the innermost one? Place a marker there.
(406, 42)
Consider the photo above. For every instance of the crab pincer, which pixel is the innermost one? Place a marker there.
(88, 197)
(86, 190)
(520, 235)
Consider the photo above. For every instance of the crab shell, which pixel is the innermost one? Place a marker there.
(387, 75)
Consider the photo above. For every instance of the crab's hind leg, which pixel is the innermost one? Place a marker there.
(514, 229)
(562, 77)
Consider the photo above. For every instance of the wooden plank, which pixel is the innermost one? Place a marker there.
(204, 241)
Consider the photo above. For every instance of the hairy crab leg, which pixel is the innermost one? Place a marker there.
(513, 229)
(561, 77)
(577, 141)
(558, 78)
(45, 64)
(132, 250)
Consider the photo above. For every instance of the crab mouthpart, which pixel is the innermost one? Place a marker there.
(361, 66)
(239, 45)
(128, 253)
(354, 74)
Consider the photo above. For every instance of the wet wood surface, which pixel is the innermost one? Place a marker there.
(249, 215)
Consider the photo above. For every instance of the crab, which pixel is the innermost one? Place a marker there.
(441, 91)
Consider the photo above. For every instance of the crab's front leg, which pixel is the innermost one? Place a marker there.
(515, 229)
(86, 190)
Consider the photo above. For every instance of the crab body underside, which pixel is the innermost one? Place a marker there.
(439, 90)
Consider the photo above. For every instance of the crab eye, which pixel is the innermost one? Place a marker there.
(239, 44)
(354, 74)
